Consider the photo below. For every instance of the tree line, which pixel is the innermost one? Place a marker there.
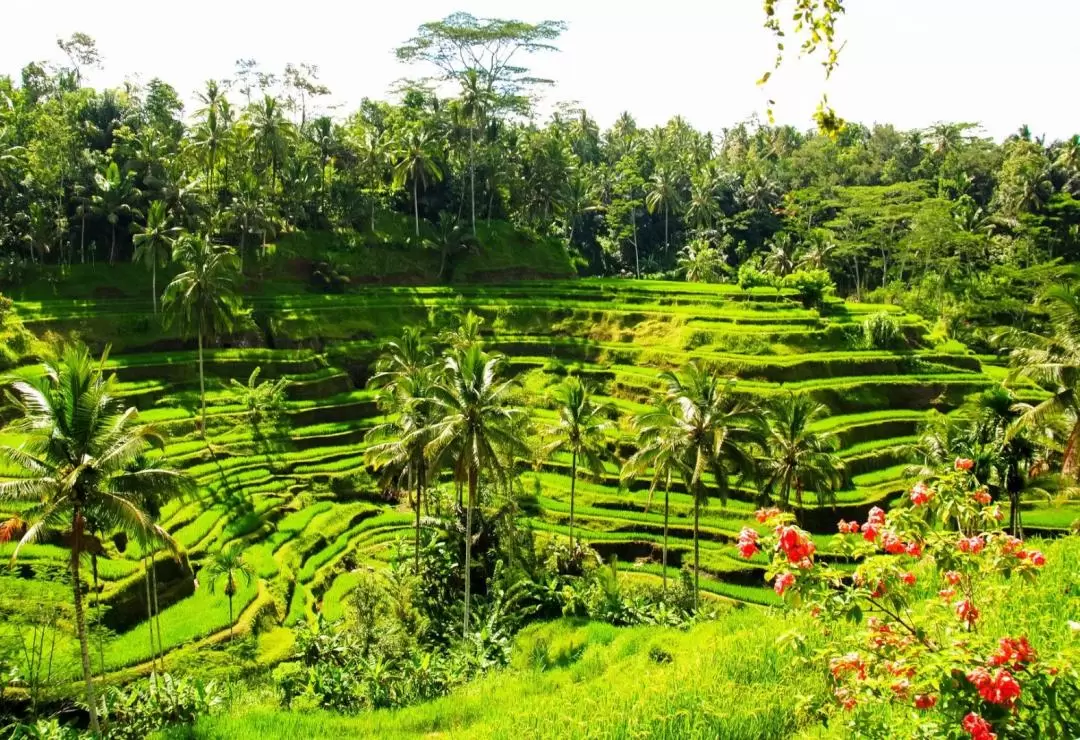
(938, 218)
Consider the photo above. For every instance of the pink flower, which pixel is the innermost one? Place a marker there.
(947, 593)
(977, 727)
(914, 549)
(891, 543)
(748, 546)
(999, 688)
(847, 527)
(974, 544)
(1012, 652)
(1037, 558)
(846, 698)
(967, 612)
(783, 582)
(925, 701)
(920, 494)
(964, 464)
(876, 516)
(794, 543)
(764, 515)
(908, 578)
(870, 531)
(952, 577)
(982, 496)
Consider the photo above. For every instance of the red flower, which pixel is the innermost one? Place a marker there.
(1012, 544)
(947, 593)
(879, 590)
(870, 531)
(963, 463)
(847, 527)
(1037, 558)
(997, 688)
(952, 577)
(876, 516)
(977, 727)
(748, 546)
(891, 543)
(900, 688)
(849, 663)
(967, 612)
(783, 582)
(925, 701)
(920, 494)
(982, 496)
(914, 549)
(794, 543)
(908, 578)
(846, 698)
(1012, 652)
(764, 515)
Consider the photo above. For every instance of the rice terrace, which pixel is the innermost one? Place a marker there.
(459, 415)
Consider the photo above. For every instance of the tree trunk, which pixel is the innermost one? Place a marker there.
(472, 182)
(80, 621)
(157, 614)
(1070, 463)
(667, 242)
(153, 282)
(667, 494)
(416, 206)
(112, 249)
(149, 613)
(243, 233)
(473, 476)
(202, 384)
(230, 618)
(637, 257)
(573, 480)
(82, 239)
(697, 570)
(97, 617)
(419, 497)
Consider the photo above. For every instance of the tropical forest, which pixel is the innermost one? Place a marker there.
(455, 413)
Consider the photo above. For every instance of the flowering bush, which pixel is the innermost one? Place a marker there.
(924, 571)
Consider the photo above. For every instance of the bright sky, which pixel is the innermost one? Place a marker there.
(909, 62)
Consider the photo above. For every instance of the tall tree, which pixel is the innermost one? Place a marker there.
(581, 430)
(797, 457)
(664, 195)
(113, 198)
(202, 299)
(477, 422)
(416, 163)
(153, 243)
(228, 563)
(82, 458)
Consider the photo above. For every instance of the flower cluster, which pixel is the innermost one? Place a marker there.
(748, 543)
(998, 687)
(977, 727)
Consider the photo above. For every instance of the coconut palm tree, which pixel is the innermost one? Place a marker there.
(718, 433)
(416, 164)
(202, 299)
(582, 430)
(476, 100)
(112, 198)
(1053, 363)
(451, 240)
(663, 194)
(82, 460)
(405, 377)
(797, 458)
(153, 243)
(272, 134)
(477, 423)
(229, 563)
(660, 450)
(780, 259)
(701, 262)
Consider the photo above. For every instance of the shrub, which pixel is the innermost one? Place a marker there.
(138, 710)
(813, 286)
(881, 331)
(751, 277)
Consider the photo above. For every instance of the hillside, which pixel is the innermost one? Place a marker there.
(298, 497)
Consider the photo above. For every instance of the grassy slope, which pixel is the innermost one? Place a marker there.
(726, 679)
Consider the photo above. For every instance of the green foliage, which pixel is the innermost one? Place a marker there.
(881, 331)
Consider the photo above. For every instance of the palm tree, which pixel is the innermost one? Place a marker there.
(780, 259)
(153, 243)
(797, 458)
(477, 423)
(663, 193)
(82, 460)
(416, 164)
(718, 434)
(202, 299)
(476, 99)
(229, 563)
(261, 400)
(451, 240)
(271, 132)
(249, 211)
(659, 449)
(703, 209)
(372, 152)
(209, 132)
(112, 199)
(581, 429)
(1053, 363)
(700, 262)
(405, 377)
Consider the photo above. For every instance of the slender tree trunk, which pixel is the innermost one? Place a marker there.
(80, 621)
(667, 241)
(97, 617)
(419, 497)
(697, 569)
(637, 257)
(472, 181)
(153, 282)
(473, 476)
(82, 238)
(230, 618)
(157, 614)
(416, 206)
(243, 233)
(112, 249)
(573, 480)
(202, 384)
(667, 495)
(149, 613)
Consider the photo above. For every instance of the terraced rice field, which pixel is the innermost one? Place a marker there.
(298, 498)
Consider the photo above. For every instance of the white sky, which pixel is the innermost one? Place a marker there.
(908, 62)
